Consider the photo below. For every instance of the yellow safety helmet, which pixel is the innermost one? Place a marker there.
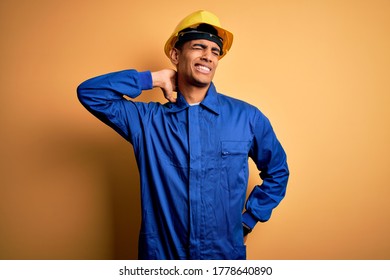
(195, 19)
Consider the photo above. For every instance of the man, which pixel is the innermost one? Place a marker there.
(192, 152)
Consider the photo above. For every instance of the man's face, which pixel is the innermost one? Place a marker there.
(197, 61)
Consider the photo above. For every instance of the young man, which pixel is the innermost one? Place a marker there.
(192, 152)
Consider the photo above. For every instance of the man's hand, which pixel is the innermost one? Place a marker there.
(166, 80)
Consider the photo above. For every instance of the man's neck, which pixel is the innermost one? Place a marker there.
(193, 94)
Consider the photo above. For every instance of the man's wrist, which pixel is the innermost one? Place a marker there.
(156, 79)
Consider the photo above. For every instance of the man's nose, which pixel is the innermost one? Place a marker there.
(207, 54)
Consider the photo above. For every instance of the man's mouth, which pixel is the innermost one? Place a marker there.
(202, 68)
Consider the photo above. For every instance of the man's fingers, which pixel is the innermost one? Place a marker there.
(169, 96)
(167, 81)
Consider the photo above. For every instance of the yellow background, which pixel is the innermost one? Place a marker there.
(318, 69)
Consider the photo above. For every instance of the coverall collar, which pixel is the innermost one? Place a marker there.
(210, 101)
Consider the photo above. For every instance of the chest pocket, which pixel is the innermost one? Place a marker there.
(234, 171)
(235, 148)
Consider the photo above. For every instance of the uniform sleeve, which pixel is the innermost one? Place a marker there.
(103, 96)
(270, 159)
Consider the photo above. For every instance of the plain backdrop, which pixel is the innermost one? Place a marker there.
(318, 69)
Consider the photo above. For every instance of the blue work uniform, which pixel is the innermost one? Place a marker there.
(193, 165)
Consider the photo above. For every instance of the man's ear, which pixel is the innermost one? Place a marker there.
(174, 56)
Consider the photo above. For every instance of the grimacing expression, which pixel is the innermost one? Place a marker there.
(196, 61)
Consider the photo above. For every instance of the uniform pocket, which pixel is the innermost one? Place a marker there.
(235, 148)
(234, 173)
